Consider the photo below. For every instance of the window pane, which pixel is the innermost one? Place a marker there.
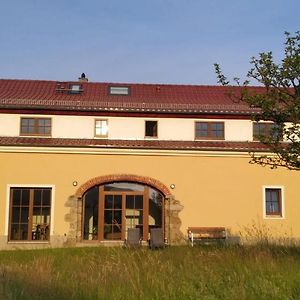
(117, 217)
(139, 202)
(25, 197)
(24, 215)
(201, 129)
(45, 215)
(129, 201)
(19, 232)
(47, 130)
(41, 122)
(91, 200)
(37, 198)
(27, 125)
(217, 130)
(108, 217)
(117, 201)
(46, 197)
(124, 186)
(273, 201)
(15, 215)
(108, 201)
(16, 197)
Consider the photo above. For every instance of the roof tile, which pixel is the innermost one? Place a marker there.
(42, 94)
(132, 144)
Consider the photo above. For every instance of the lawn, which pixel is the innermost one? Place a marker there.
(202, 272)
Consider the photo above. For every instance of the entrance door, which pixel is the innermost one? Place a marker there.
(122, 211)
(109, 210)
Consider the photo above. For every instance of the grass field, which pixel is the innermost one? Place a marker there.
(235, 272)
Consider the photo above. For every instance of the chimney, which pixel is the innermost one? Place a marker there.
(83, 78)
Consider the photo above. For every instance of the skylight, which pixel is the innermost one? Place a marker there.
(119, 90)
(75, 88)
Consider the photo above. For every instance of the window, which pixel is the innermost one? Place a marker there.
(75, 89)
(151, 129)
(118, 90)
(263, 131)
(101, 128)
(35, 126)
(29, 214)
(209, 130)
(273, 201)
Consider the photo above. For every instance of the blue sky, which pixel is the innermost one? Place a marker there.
(143, 41)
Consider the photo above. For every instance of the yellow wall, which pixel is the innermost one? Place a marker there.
(215, 191)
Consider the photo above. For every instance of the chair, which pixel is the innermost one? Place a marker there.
(133, 238)
(157, 238)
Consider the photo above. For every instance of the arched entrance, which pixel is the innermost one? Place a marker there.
(110, 209)
(87, 211)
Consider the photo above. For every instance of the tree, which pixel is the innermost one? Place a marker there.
(278, 101)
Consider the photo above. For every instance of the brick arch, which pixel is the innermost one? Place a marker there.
(125, 178)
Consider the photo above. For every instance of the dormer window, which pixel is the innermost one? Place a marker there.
(119, 90)
(75, 89)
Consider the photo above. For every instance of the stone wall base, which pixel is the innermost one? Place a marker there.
(55, 242)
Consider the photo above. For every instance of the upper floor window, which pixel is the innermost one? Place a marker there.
(29, 214)
(209, 130)
(35, 126)
(150, 128)
(273, 202)
(101, 128)
(263, 131)
(119, 90)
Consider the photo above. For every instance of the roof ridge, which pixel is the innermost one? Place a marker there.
(126, 83)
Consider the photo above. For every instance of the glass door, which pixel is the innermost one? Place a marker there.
(113, 217)
(134, 212)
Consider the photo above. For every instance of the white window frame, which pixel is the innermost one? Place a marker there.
(265, 215)
(101, 135)
(8, 187)
(119, 90)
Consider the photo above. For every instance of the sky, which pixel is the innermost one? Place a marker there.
(140, 41)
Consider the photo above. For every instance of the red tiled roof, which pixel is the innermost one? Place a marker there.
(129, 144)
(162, 98)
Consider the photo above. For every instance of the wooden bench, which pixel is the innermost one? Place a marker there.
(206, 234)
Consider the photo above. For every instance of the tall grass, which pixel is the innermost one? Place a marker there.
(248, 272)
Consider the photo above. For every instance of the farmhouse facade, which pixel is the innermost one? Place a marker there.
(81, 162)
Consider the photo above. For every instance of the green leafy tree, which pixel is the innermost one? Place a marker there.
(278, 100)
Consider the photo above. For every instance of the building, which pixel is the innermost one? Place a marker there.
(81, 162)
